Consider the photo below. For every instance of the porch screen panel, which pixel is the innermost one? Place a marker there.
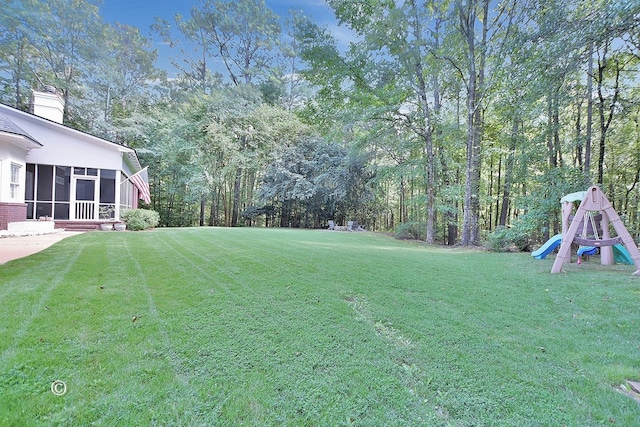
(107, 193)
(107, 186)
(29, 189)
(30, 179)
(44, 209)
(85, 190)
(61, 211)
(63, 183)
(62, 192)
(126, 193)
(45, 183)
(44, 191)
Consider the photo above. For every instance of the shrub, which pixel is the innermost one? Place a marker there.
(140, 219)
(504, 239)
(411, 231)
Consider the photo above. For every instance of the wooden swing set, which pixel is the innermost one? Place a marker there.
(593, 235)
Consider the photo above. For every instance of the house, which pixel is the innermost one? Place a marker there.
(49, 171)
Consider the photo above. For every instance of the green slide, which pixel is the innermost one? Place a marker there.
(621, 255)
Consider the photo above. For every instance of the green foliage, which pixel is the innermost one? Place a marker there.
(543, 201)
(504, 239)
(242, 33)
(320, 177)
(411, 231)
(391, 103)
(252, 214)
(140, 219)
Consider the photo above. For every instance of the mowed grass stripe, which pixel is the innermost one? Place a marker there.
(294, 327)
(25, 300)
(16, 276)
(204, 263)
(188, 395)
(260, 322)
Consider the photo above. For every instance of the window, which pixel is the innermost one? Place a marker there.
(14, 181)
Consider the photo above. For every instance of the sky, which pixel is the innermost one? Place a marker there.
(142, 13)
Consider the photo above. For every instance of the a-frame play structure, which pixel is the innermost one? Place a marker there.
(594, 200)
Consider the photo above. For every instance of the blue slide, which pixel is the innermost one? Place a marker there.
(621, 255)
(548, 247)
(587, 250)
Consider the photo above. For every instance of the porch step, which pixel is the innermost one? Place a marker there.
(81, 227)
(78, 225)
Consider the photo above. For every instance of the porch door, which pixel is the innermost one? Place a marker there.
(85, 198)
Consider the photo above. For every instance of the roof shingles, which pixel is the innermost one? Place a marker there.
(8, 126)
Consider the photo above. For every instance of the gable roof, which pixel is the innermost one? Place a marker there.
(7, 126)
(38, 125)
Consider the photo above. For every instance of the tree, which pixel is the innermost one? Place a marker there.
(312, 181)
(391, 74)
(122, 80)
(196, 70)
(243, 36)
(15, 53)
(67, 36)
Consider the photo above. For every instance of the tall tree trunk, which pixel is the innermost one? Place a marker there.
(497, 198)
(605, 117)
(467, 22)
(427, 126)
(237, 187)
(579, 142)
(203, 202)
(17, 77)
(551, 148)
(587, 144)
(235, 208)
(431, 217)
(213, 211)
(556, 128)
(471, 211)
(508, 174)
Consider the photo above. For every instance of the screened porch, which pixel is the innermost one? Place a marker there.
(70, 193)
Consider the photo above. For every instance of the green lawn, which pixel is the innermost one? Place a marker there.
(253, 327)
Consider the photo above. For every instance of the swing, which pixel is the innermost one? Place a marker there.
(591, 233)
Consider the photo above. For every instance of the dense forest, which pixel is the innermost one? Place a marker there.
(451, 121)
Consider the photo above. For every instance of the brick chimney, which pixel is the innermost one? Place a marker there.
(48, 104)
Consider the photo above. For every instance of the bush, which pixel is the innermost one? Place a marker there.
(411, 231)
(504, 239)
(140, 219)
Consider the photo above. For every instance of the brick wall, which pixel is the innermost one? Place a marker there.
(12, 212)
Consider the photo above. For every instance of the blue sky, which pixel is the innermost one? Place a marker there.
(142, 13)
